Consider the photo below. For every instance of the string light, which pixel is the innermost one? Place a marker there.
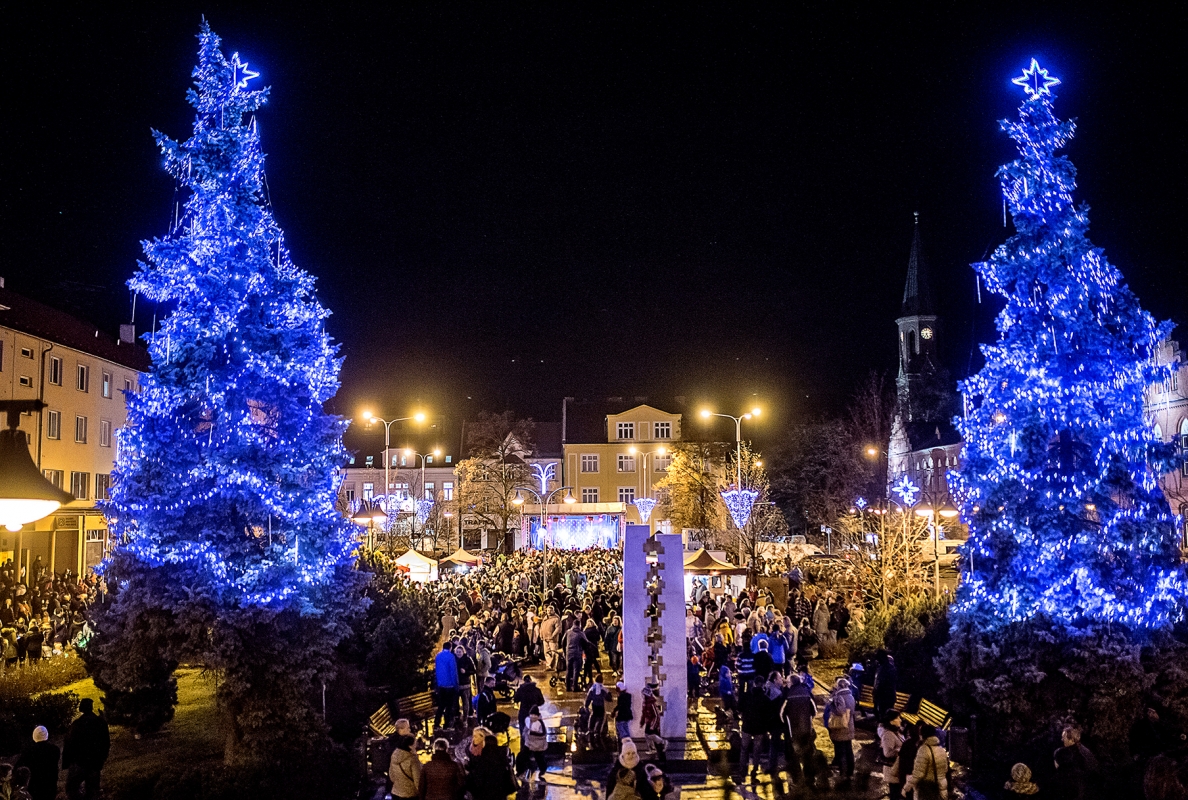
(1067, 519)
(907, 490)
(645, 506)
(544, 473)
(739, 503)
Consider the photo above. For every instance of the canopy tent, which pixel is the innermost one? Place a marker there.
(420, 568)
(702, 562)
(460, 558)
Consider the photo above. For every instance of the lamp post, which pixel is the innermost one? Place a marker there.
(754, 412)
(368, 514)
(387, 423)
(569, 499)
(947, 511)
(25, 494)
(408, 451)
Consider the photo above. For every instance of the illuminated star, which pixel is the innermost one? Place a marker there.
(906, 490)
(1036, 81)
(240, 74)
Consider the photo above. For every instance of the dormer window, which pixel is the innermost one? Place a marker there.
(626, 430)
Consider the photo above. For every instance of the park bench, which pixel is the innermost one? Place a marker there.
(932, 714)
(866, 699)
(415, 708)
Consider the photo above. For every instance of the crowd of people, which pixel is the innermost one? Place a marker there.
(43, 614)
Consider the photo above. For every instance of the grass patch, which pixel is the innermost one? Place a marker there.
(49, 674)
(192, 738)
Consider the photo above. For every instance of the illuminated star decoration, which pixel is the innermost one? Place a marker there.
(240, 74)
(645, 506)
(1036, 81)
(739, 503)
(860, 503)
(544, 473)
(906, 490)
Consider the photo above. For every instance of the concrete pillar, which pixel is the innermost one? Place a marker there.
(654, 649)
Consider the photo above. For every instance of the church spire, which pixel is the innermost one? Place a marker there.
(917, 294)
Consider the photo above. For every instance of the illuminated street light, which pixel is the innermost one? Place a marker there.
(25, 494)
(372, 419)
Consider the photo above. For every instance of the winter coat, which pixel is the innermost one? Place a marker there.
(87, 742)
(932, 766)
(42, 760)
(404, 771)
(441, 779)
(799, 710)
(537, 739)
(890, 743)
(445, 669)
(550, 628)
(842, 703)
(575, 644)
(623, 712)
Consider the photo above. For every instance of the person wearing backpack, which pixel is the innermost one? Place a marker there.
(537, 742)
(930, 774)
(839, 721)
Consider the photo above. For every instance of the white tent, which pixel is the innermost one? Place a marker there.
(420, 568)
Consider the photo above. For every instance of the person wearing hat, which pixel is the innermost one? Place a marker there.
(1020, 785)
(628, 761)
(657, 785)
(623, 712)
(42, 760)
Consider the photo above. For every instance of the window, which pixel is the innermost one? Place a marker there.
(53, 425)
(627, 495)
(349, 493)
(79, 483)
(26, 352)
(107, 384)
(590, 495)
(589, 462)
(1, 356)
(84, 378)
(80, 430)
(105, 433)
(663, 430)
(626, 463)
(449, 459)
(102, 486)
(55, 376)
(1184, 445)
(54, 476)
(428, 459)
(368, 491)
(663, 462)
(95, 535)
(430, 488)
(128, 385)
(26, 381)
(447, 490)
(626, 430)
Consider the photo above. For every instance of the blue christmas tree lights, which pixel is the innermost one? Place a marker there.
(1060, 479)
(228, 466)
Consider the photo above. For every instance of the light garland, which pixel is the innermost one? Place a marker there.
(644, 505)
(739, 503)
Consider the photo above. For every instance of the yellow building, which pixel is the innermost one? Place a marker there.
(81, 374)
(623, 460)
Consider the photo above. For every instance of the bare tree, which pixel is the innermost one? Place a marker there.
(497, 468)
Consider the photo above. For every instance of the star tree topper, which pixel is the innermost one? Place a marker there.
(240, 74)
(1036, 81)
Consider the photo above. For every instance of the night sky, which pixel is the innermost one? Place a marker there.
(506, 206)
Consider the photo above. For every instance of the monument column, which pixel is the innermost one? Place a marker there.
(654, 626)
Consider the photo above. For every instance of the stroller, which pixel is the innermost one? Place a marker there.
(507, 674)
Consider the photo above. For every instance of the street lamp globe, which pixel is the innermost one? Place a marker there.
(25, 494)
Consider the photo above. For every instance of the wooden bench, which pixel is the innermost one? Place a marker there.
(932, 714)
(415, 708)
(866, 699)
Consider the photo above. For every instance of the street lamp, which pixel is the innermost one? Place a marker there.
(754, 412)
(644, 490)
(408, 451)
(25, 494)
(387, 423)
(947, 511)
(569, 499)
(368, 514)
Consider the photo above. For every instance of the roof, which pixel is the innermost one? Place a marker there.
(931, 435)
(702, 561)
(37, 319)
(548, 440)
(585, 420)
(412, 557)
(917, 293)
(460, 556)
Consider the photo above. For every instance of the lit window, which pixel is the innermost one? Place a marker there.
(105, 433)
(589, 463)
(663, 430)
(449, 459)
(55, 371)
(429, 490)
(84, 378)
(102, 486)
(663, 462)
(80, 430)
(54, 476)
(626, 463)
(428, 459)
(79, 484)
(627, 494)
(447, 490)
(368, 491)
(107, 384)
(590, 495)
(53, 425)
(626, 430)
(349, 493)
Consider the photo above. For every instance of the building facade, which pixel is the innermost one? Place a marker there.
(83, 376)
(1167, 409)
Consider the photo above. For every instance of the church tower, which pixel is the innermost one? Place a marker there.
(917, 329)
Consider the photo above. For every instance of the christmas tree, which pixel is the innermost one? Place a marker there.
(1060, 481)
(230, 549)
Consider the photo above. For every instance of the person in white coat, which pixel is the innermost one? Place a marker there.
(890, 743)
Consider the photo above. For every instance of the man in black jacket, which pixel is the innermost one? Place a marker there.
(42, 760)
(487, 703)
(798, 713)
(87, 744)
